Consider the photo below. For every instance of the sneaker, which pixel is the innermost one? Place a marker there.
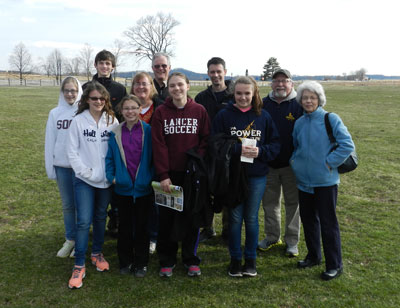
(166, 271)
(292, 251)
(100, 263)
(235, 268)
(206, 234)
(72, 255)
(66, 249)
(78, 273)
(265, 245)
(140, 272)
(152, 247)
(249, 268)
(193, 270)
(125, 270)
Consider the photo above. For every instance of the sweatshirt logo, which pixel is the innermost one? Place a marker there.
(88, 133)
(248, 132)
(290, 117)
(63, 124)
(180, 126)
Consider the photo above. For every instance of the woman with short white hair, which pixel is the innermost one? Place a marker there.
(315, 164)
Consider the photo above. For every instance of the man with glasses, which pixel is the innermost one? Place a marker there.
(104, 62)
(161, 66)
(281, 104)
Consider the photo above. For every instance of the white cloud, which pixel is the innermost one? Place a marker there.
(28, 20)
(55, 44)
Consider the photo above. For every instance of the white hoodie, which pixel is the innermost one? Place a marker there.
(87, 148)
(60, 118)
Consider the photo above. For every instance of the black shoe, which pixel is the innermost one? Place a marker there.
(140, 272)
(126, 270)
(308, 263)
(235, 268)
(331, 274)
(206, 234)
(249, 268)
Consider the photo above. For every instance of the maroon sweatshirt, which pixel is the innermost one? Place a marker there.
(174, 131)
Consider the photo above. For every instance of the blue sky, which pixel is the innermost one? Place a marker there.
(308, 37)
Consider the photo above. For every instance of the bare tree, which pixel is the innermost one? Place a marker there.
(119, 53)
(360, 74)
(55, 61)
(72, 66)
(20, 60)
(86, 56)
(152, 34)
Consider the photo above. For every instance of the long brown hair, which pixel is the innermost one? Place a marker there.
(96, 86)
(256, 101)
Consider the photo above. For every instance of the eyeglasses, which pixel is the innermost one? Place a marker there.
(283, 81)
(158, 66)
(130, 108)
(143, 84)
(94, 98)
(66, 91)
(311, 97)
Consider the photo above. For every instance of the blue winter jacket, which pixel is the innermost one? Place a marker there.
(116, 165)
(312, 150)
(232, 121)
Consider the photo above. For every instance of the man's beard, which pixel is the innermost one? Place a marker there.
(280, 93)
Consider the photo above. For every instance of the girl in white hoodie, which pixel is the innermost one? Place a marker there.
(57, 164)
(86, 150)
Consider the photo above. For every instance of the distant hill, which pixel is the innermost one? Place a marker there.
(199, 76)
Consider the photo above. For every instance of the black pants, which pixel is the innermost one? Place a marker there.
(133, 237)
(167, 248)
(318, 215)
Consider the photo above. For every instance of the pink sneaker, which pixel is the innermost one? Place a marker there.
(100, 263)
(78, 273)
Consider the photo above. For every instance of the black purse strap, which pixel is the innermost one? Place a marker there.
(329, 128)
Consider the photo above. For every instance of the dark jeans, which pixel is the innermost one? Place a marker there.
(133, 238)
(318, 215)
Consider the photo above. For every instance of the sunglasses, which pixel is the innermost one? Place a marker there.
(95, 98)
(158, 66)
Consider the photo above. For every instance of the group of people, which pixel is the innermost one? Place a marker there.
(104, 146)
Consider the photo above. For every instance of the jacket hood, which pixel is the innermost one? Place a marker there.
(292, 95)
(168, 103)
(61, 100)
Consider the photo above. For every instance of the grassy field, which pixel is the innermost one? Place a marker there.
(31, 228)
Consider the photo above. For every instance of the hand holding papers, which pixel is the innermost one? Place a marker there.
(248, 143)
(173, 200)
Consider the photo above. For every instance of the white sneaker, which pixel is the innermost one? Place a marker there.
(72, 255)
(152, 247)
(66, 249)
(292, 251)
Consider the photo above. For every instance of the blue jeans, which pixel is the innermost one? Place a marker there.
(247, 212)
(91, 207)
(65, 182)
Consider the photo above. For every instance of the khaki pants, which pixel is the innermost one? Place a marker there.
(279, 180)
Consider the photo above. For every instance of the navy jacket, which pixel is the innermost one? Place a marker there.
(234, 122)
(284, 116)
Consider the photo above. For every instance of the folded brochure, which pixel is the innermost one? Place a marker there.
(173, 200)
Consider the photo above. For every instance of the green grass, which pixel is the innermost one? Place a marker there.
(31, 228)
